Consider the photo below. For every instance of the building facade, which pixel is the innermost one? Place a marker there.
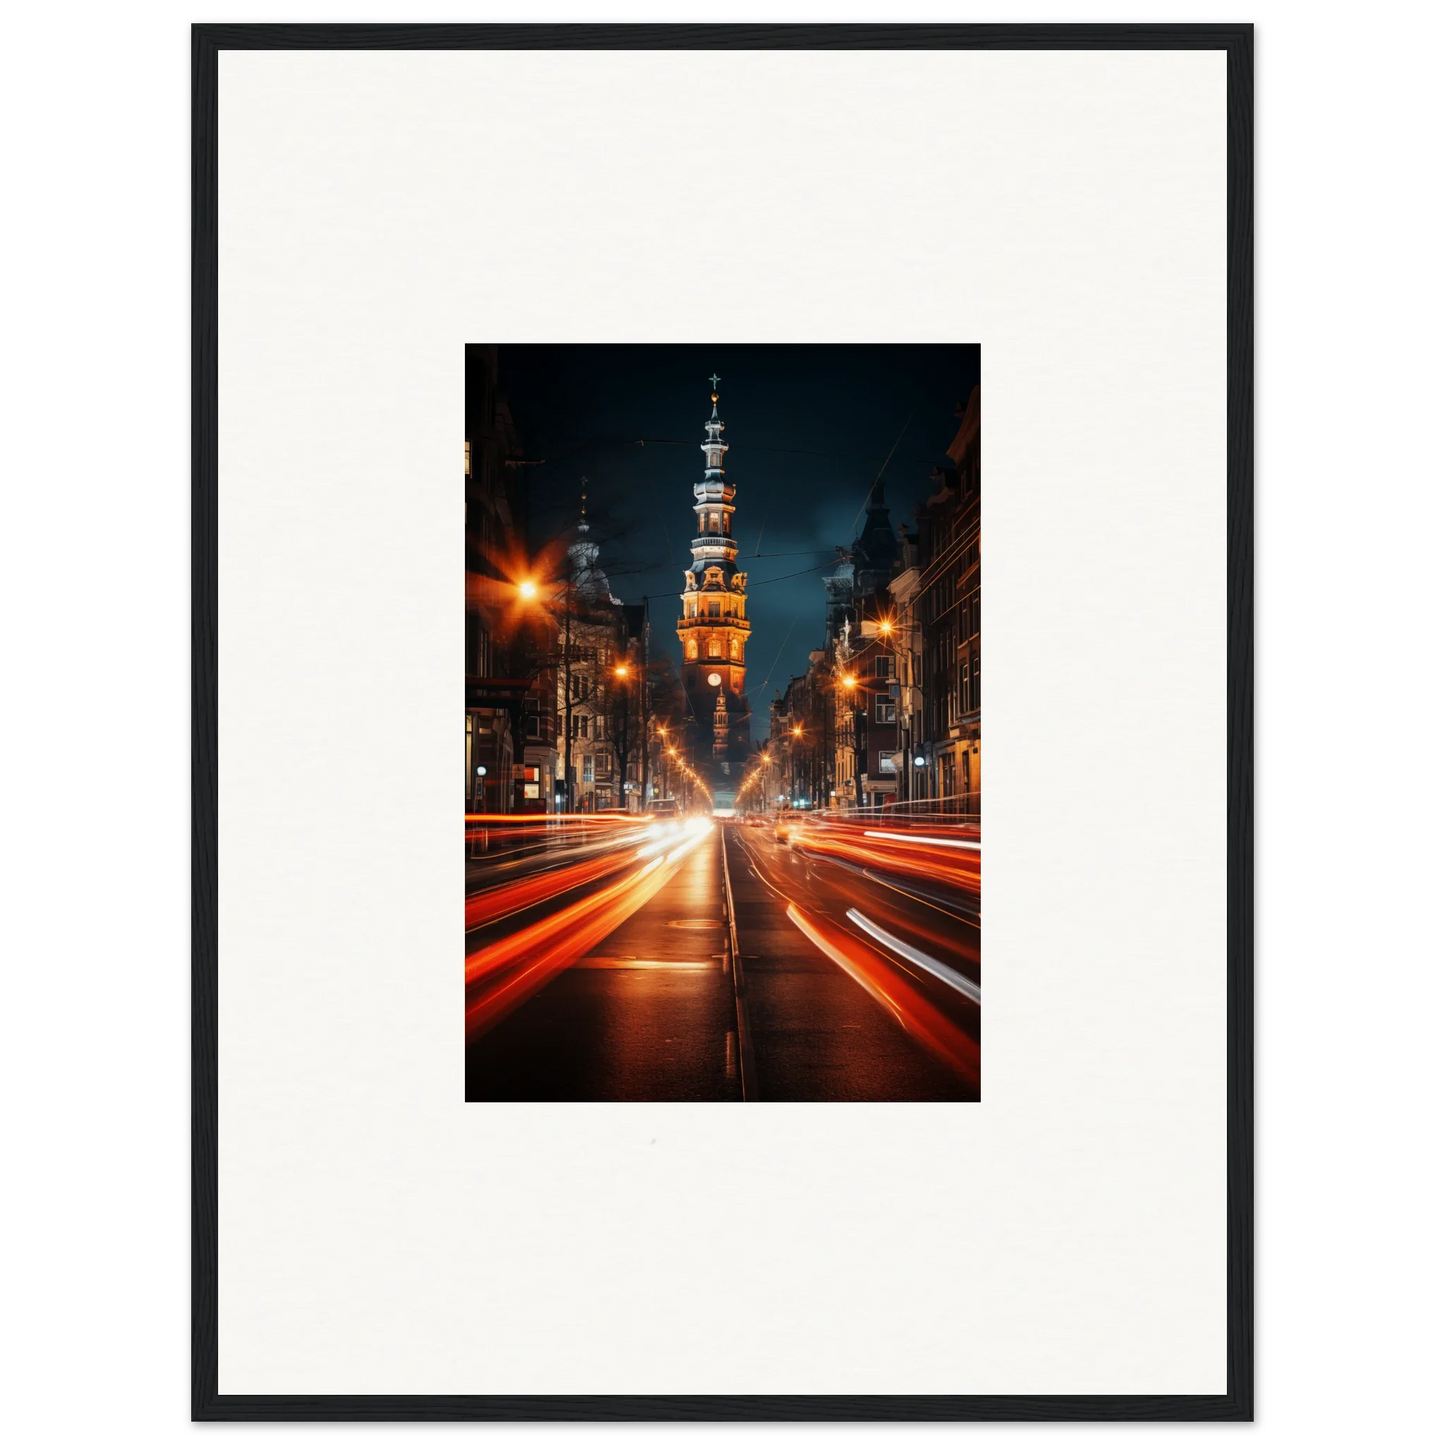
(906, 642)
(947, 608)
(595, 646)
(713, 627)
(511, 718)
(801, 755)
(865, 694)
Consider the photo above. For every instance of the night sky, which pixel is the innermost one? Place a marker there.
(809, 428)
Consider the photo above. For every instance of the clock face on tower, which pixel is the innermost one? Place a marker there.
(714, 679)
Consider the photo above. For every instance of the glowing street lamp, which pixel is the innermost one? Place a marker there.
(527, 589)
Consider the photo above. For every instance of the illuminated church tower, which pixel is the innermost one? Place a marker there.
(713, 628)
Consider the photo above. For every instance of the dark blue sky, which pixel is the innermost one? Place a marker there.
(809, 427)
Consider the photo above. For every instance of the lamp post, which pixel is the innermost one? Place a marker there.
(900, 633)
(796, 756)
(528, 590)
(860, 737)
(623, 671)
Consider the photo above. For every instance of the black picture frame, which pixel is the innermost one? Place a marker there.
(1236, 1403)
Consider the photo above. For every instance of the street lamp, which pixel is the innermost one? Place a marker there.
(527, 591)
(624, 671)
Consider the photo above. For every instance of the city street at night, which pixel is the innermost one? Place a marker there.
(601, 961)
(722, 762)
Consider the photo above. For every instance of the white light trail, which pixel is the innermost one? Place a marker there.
(919, 838)
(966, 986)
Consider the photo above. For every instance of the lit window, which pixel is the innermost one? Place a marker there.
(691, 650)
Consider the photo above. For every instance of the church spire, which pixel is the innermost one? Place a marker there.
(587, 574)
(720, 727)
(714, 627)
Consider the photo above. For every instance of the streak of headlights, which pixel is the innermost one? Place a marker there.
(896, 992)
(966, 986)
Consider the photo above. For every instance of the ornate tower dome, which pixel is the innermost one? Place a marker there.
(713, 628)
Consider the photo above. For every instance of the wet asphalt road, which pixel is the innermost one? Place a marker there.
(651, 1013)
(648, 1013)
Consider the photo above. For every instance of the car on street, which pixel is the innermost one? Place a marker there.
(666, 817)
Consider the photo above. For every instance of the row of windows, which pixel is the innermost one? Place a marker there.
(969, 614)
(937, 599)
(715, 649)
(969, 696)
(584, 726)
(965, 696)
(717, 523)
(479, 647)
(885, 710)
(716, 607)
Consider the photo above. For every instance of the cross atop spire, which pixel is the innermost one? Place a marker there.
(714, 378)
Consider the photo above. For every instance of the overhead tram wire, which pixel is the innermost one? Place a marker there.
(881, 470)
(778, 655)
(752, 586)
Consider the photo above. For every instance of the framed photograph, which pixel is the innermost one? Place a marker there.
(627, 382)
